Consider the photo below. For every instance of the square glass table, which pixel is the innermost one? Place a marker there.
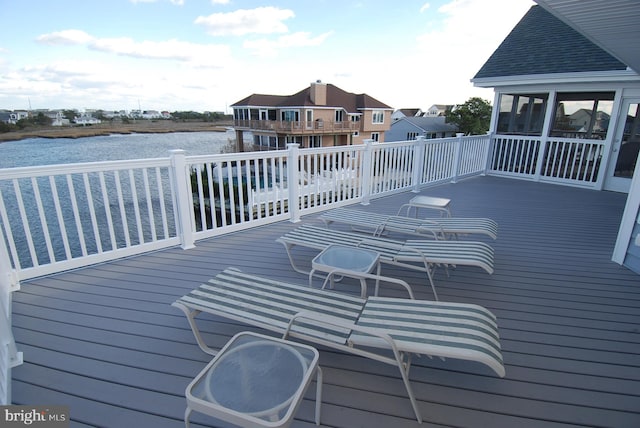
(255, 381)
(430, 202)
(346, 261)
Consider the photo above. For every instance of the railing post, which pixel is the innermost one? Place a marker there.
(487, 151)
(293, 180)
(183, 198)
(418, 162)
(9, 355)
(367, 171)
(456, 157)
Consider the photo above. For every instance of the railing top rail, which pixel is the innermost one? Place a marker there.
(75, 168)
(231, 157)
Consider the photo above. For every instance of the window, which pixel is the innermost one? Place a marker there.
(412, 135)
(522, 114)
(290, 115)
(378, 116)
(339, 115)
(375, 136)
(315, 141)
(355, 117)
(309, 115)
(582, 115)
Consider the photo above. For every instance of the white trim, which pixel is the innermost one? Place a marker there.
(557, 78)
(628, 219)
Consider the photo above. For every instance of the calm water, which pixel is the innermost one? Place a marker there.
(46, 151)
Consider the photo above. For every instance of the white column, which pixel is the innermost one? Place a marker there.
(293, 181)
(418, 163)
(183, 199)
(367, 171)
(456, 157)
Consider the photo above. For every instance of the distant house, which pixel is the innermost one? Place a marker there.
(567, 97)
(57, 118)
(410, 128)
(86, 119)
(151, 114)
(321, 115)
(437, 110)
(405, 112)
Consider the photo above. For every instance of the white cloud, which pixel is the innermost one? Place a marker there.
(270, 48)
(425, 7)
(214, 2)
(168, 49)
(262, 20)
(66, 37)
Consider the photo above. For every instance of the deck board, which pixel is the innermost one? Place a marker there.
(105, 340)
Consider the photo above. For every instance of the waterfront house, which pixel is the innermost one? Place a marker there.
(410, 128)
(321, 115)
(566, 106)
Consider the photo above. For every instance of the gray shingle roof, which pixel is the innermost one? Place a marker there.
(542, 44)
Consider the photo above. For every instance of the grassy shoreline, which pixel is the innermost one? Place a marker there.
(140, 126)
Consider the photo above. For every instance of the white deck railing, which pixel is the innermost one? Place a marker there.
(60, 217)
(564, 160)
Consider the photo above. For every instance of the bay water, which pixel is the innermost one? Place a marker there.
(46, 151)
(51, 151)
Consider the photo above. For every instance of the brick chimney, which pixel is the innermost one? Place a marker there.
(319, 93)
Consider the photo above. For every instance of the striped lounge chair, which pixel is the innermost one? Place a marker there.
(367, 327)
(417, 254)
(380, 224)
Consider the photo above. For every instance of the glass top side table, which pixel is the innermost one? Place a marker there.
(255, 380)
(430, 202)
(347, 261)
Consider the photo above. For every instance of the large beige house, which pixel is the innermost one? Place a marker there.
(321, 115)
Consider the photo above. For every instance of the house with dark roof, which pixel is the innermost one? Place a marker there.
(321, 115)
(410, 128)
(567, 103)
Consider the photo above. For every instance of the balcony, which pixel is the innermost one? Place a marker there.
(104, 340)
(298, 127)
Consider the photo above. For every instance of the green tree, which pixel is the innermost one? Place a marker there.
(472, 118)
(69, 114)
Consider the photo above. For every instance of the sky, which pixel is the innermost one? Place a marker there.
(205, 55)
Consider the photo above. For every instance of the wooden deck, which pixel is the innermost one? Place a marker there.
(105, 341)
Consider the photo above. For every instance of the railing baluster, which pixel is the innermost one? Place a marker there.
(25, 222)
(43, 219)
(107, 209)
(92, 212)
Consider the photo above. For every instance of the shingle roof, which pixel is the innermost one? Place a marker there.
(542, 44)
(432, 124)
(336, 97)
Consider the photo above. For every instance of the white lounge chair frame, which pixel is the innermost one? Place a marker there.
(367, 327)
(437, 228)
(418, 254)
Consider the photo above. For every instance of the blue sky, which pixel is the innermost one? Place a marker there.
(207, 54)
